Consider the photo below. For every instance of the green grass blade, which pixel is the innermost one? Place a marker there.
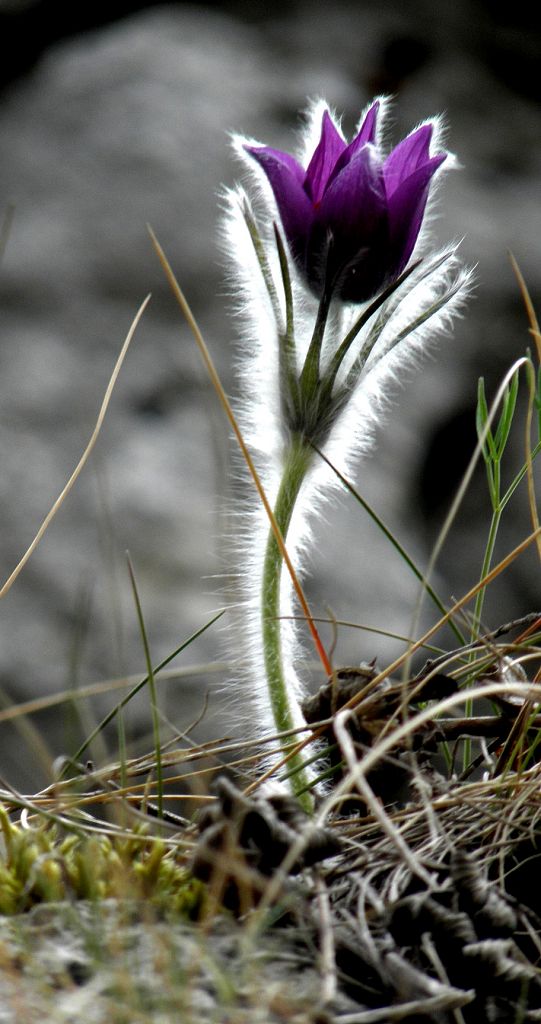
(151, 687)
(395, 542)
(139, 686)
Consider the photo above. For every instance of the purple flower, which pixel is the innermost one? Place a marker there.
(352, 218)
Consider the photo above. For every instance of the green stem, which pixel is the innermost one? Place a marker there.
(485, 569)
(480, 599)
(297, 461)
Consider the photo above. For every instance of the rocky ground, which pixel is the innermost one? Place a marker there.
(204, 977)
(426, 914)
(128, 125)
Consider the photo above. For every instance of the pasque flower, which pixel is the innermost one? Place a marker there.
(318, 375)
(352, 218)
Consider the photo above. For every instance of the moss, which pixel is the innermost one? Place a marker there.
(41, 865)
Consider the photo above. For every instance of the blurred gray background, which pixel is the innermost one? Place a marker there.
(119, 117)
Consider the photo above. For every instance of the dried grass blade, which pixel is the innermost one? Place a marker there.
(217, 384)
(84, 457)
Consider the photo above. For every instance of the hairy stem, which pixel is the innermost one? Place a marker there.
(297, 461)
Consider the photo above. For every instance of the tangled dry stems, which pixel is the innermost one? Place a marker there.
(422, 906)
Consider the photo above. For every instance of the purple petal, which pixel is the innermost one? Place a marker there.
(356, 197)
(354, 212)
(367, 131)
(266, 152)
(406, 210)
(286, 177)
(405, 158)
(366, 134)
(324, 158)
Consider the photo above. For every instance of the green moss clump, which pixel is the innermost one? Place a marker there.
(39, 865)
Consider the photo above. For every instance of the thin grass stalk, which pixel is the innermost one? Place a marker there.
(532, 501)
(30, 707)
(28, 732)
(494, 450)
(534, 328)
(451, 515)
(139, 686)
(394, 541)
(211, 369)
(151, 686)
(377, 631)
(84, 457)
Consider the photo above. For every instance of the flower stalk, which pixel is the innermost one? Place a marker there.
(296, 464)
